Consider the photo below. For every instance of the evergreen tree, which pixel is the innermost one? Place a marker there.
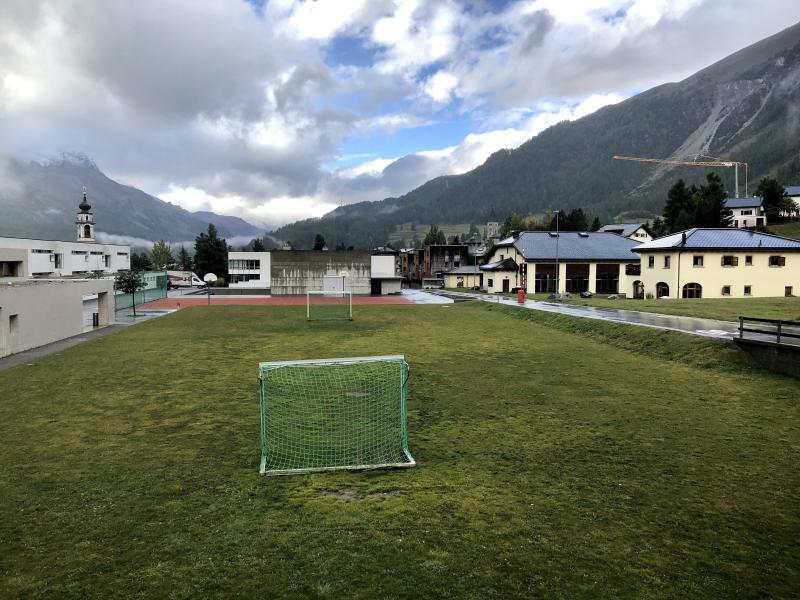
(679, 199)
(140, 262)
(513, 222)
(211, 253)
(161, 256)
(710, 208)
(434, 237)
(258, 245)
(772, 195)
(319, 242)
(659, 228)
(454, 240)
(184, 260)
(596, 224)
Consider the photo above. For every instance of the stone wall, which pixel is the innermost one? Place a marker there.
(781, 358)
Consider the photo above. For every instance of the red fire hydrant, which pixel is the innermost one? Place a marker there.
(521, 296)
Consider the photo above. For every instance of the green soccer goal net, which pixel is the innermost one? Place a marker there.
(329, 306)
(323, 415)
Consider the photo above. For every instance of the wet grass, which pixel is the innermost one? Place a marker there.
(555, 458)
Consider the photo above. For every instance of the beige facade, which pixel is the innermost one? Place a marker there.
(721, 273)
(462, 280)
(37, 312)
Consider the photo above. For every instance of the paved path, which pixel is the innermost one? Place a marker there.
(691, 325)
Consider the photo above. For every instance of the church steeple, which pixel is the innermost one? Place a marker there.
(85, 221)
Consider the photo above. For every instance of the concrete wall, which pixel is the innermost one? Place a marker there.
(38, 312)
(390, 286)
(764, 281)
(783, 359)
(263, 272)
(383, 265)
(54, 258)
(295, 272)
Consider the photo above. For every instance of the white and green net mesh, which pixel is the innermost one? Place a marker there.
(323, 415)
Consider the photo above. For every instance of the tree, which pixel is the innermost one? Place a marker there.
(161, 256)
(772, 196)
(140, 262)
(319, 242)
(211, 253)
(434, 237)
(596, 224)
(513, 222)
(129, 282)
(659, 228)
(258, 245)
(454, 240)
(710, 208)
(184, 260)
(679, 199)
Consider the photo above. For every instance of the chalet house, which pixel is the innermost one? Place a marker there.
(720, 263)
(542, 262)
(634, 231)
(747, 212)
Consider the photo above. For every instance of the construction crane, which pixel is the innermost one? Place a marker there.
(710, 162)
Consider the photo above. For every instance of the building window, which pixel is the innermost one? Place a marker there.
(244, 264)
(662, 290)
(651, 262)
(667, 262)
(730, 261)
(777, 261)
(726, 290)
(58, 260)
(693, 290)
(107, 261)
(747, 213)
(490, 283)
(748, 290)
(246, 277)
(697, 261)
(748, 261)
(40, 251)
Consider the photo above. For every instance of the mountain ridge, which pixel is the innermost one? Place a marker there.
(744, 105)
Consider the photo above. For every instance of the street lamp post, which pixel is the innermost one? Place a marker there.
(558, 270)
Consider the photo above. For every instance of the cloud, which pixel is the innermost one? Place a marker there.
(243, 110)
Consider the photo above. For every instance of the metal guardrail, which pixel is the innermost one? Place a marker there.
(778, 329)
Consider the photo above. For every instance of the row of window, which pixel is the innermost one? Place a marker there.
(248, 264)
(728, 260)
(246, 277)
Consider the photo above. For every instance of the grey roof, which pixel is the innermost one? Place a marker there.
(573, 245)
(726, 238)
(465, 270)
(753, 202)
(791, 190)
(501, 265)
(623, 229)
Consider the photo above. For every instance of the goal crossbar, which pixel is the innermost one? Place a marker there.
(334, 414)
(329, 305)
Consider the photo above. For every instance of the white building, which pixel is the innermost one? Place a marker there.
(384, 275)
(35, 312)
(634, 231)
(22, 257)
(747, 212)
(793, 192)
(249, 270)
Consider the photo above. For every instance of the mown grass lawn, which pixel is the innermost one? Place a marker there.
(553, 460)
(790, 229)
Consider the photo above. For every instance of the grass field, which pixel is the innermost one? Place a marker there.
(791, 230)
(557, 457)
(725, 309)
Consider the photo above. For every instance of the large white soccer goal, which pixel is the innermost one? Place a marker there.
(329, 306)
(333, 414)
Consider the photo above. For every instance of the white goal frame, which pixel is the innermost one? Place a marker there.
(341, 294)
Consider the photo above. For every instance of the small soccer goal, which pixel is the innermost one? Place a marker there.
(334, 414)
(329, 306)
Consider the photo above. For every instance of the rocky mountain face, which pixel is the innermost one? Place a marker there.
(40, 201)
(745, 107)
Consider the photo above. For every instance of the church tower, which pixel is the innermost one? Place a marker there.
(85, 221)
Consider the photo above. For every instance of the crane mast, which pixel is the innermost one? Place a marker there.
(697, 163)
